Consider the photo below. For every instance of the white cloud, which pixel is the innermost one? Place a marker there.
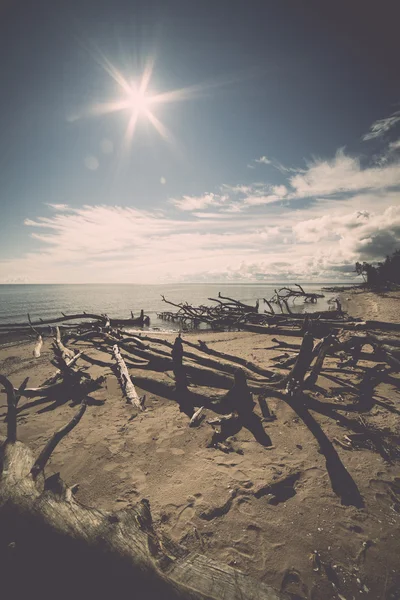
(263, 160)
(122, 244)
(59, 207)
(364, 234)
(190, 203)
(279, 190)
(236, 234)
(395, 145)
(382, 126)
(259, 200)
(342, 174)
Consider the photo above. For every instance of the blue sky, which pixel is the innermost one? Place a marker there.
(280, 159)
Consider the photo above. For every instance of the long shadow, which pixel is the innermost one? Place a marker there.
(32, 404)
(346, 386)
(342, 482)
(330, 410)
(391, 409)
(251, 422)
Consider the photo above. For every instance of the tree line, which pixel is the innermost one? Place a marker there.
(383, 274)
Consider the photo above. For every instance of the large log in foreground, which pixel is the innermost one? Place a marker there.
(51, 546)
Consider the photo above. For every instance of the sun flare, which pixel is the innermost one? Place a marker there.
(138, 101)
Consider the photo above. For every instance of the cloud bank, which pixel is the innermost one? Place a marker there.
(313, 225)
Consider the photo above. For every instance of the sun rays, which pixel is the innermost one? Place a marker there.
(135, 99)
(139, 100)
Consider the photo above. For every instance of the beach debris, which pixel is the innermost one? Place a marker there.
(345, 445)
(126, 382)
(285, 293)
(315, 558)
(64, 352)
(197, 417)
(32, 504)
(295, 379)
(222, 419)
(38, 346)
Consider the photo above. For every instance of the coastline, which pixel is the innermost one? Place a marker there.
(370, 306)
(119, 458)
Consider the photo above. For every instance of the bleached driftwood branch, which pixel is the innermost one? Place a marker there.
(126, 382)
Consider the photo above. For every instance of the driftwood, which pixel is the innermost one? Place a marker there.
(105, 554)
(316, 370)
(38, 347)
(295, 379)
(63, 351)
(196, 418)
(284, 293)
(94, 318)
(126, 382)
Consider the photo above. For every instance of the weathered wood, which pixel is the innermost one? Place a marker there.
(126, 382)
(196, 418)
(38, 347)
(295, 378)
(11, 409)
(93, 318)
(316, 369)
(65, 353)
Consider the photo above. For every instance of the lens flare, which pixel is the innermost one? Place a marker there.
(138, 102)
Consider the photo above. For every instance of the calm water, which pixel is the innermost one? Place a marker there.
(48, 301)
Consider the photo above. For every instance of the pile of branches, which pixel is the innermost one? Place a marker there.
(227, 312)
(107, 552)
(284, 294)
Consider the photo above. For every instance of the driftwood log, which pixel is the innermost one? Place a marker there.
(126, 382)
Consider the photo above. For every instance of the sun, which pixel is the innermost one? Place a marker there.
(138, 101)
(135, 99)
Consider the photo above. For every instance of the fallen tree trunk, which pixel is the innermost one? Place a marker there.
(94, 318)
(270, 330)
(126, 382)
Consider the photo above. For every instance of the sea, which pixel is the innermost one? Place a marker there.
(118, 300)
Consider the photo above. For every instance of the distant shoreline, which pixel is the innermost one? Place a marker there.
(370, 306)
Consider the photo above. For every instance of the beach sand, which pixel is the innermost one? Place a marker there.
(218, 503)
(372, 306)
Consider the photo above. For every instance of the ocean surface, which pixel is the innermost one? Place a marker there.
(118, 300)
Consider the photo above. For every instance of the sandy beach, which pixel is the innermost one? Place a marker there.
(271, 511)
(383, 306)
